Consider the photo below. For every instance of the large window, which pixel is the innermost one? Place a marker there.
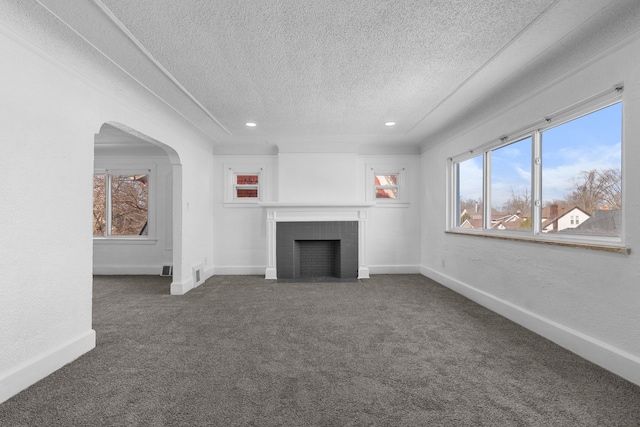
(581, 180)
(560, 180)
(120, 204)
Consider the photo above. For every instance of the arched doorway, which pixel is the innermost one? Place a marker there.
(142, 178)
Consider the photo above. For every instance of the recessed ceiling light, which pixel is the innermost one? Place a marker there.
(390, 124)
(250, 124)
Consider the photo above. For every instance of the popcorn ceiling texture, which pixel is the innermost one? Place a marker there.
(316, 73)
(323, 68)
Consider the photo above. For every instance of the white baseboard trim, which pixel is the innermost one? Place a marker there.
(243, 270)
(135, 270)
(394, 269)
(260, 270)
(39, 367)
(363, 273)
(602, 354)
(181, 288)
(208, 272)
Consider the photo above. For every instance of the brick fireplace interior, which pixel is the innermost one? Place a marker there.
(317, 249)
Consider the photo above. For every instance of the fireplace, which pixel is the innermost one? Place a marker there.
(304, 238)
(314, 259)
(316, 249)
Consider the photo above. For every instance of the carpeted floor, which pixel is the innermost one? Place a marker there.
(242, 351)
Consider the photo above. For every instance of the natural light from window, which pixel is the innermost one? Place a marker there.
(562, 180)
(120, 205)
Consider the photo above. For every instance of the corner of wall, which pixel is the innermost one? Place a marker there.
(181, 288)
(37, 368)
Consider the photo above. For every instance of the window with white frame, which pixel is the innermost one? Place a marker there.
(387, 183)
(120, 204)
(560, 180)
(244, 184)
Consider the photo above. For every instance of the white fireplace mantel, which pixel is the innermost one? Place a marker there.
(300, 212)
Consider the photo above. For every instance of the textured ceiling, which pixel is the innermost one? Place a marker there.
(332, 69)
(313, 72)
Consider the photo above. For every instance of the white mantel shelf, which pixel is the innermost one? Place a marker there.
(316, 211)
(320, 205)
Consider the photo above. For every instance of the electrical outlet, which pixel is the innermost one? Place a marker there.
(443, 263)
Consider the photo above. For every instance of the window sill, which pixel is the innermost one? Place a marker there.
(123, 241)
(251, 204)
(572, 244)
(392, 204)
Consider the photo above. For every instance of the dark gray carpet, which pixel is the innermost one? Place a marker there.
(242, 351)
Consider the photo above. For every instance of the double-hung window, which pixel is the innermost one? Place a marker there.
(120, 204)
(388, 184)
(244, 185)
(559, 179)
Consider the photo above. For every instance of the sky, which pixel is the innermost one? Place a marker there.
(589, 142)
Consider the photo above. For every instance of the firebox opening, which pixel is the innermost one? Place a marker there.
(317, 258)
(314, 250)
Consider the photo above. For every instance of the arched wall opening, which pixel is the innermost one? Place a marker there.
(151, 170)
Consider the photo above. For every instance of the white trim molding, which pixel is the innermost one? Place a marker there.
(304, 212)
(39, 367)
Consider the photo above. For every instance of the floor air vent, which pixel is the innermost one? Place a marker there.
(167, 270)
(198, 276)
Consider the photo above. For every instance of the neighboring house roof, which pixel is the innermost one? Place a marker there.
(601, 223)
(562, 212)
(562, 209)
(475, 222)
(505, 218)
(512, 224)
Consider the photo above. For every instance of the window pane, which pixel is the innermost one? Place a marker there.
(129, 200)
(246, 192)
(387, 179)
(99, 204)
(581, 164)
(470, 193)
(247, 179)
(387, 186)
(386, 193)
(511, 186)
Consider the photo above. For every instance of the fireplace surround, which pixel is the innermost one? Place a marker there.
(314, 249)
(332, 220)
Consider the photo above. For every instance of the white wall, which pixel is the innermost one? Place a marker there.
(45, 170)
(586, 300)
(53, 102)
(393, 239)
(393, 229)
(239, 244)
(318, 177)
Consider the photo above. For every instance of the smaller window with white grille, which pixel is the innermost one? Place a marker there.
(387, 185)
(246, 186)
